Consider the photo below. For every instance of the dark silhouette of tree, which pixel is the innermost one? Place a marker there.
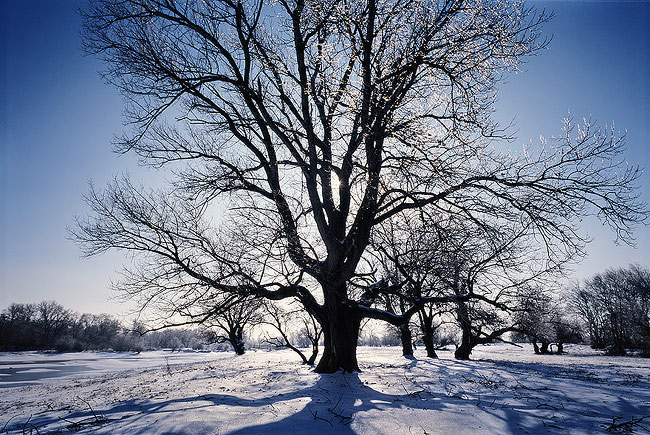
(409, 254)
(473, 273)
(34, 326)
(17, 323)
(229, 324)
(487, 271)
(52, 321)
(312, 122)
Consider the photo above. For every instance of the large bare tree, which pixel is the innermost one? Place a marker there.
(312, 121)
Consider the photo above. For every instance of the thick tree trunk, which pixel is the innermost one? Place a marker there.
(407, 339)
(429, 346)
(236, 339)
(465, 349)
(340, 333)
(427, 337)
(544, 350)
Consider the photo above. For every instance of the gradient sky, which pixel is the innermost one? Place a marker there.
(57, 119)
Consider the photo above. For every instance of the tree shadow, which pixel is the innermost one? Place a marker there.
(468, 397)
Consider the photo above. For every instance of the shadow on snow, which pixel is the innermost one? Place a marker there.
(468, 397)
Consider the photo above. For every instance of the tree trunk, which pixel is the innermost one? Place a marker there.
(536, 347)
(544, 350)
(236, 339)
(466, 345)
(429, 346)
(427, 336)
(340, 333)
(407, 339)
(314, 354)
(314, 351)
(464, 350)
(616, 350)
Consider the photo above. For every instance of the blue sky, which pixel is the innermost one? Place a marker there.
(57, 119)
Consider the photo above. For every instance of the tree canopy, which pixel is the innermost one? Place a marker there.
(296, 129)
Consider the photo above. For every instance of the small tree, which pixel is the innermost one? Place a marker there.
(406, 252)
(307, 334)
(227, 324)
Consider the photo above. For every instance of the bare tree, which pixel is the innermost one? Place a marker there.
(317, 121)
(471, 272)
(585, 303)
(52, 321)
(615, 306)
(544, 320)
(17, 326)
(308, 334)
(228, 325)
(397, 306)
(487, 271)
(409, 253)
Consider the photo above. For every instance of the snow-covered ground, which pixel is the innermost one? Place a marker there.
(503, 390)
(19, 369)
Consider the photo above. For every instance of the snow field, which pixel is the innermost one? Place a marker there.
(503, 390)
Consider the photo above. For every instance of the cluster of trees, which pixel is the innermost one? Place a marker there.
(547, 323)
(615, 309)
(49, 326)
(611, 310)
(342, 156)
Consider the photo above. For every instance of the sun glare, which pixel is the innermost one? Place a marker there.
(336, 183)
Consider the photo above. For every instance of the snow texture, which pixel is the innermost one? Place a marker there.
(503, 390)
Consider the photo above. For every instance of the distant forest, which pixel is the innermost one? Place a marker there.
(50, 326)
(610, 311)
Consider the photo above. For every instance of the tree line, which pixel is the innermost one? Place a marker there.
(610, 311)
(48, 325)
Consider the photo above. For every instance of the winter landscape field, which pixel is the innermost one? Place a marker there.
(504, 389)
(339, 176)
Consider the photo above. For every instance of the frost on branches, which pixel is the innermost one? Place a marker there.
(296, 130)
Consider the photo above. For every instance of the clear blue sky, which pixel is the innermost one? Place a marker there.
(57, 119)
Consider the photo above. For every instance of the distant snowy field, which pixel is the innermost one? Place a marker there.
(503, 390)
(31, 368)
